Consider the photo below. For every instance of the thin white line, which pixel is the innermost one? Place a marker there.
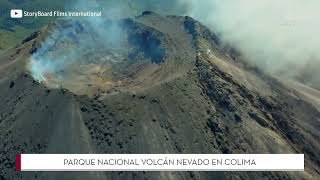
(153, 170)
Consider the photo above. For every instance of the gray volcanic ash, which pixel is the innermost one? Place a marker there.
(174, 88)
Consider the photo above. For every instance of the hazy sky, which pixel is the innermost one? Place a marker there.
(280, 37)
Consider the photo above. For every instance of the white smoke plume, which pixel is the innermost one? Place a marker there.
(280, 37)
(70, 39)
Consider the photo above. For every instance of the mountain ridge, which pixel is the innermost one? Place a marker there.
(200, 98)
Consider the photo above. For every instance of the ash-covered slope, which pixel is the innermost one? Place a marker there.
(177, 89)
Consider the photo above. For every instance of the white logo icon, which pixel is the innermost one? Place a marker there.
(16, 13)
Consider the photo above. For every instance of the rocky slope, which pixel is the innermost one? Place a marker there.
(182, 92)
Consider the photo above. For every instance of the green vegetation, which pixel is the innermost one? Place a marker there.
(13, 31)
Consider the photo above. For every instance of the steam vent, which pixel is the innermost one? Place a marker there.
(151, 84)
